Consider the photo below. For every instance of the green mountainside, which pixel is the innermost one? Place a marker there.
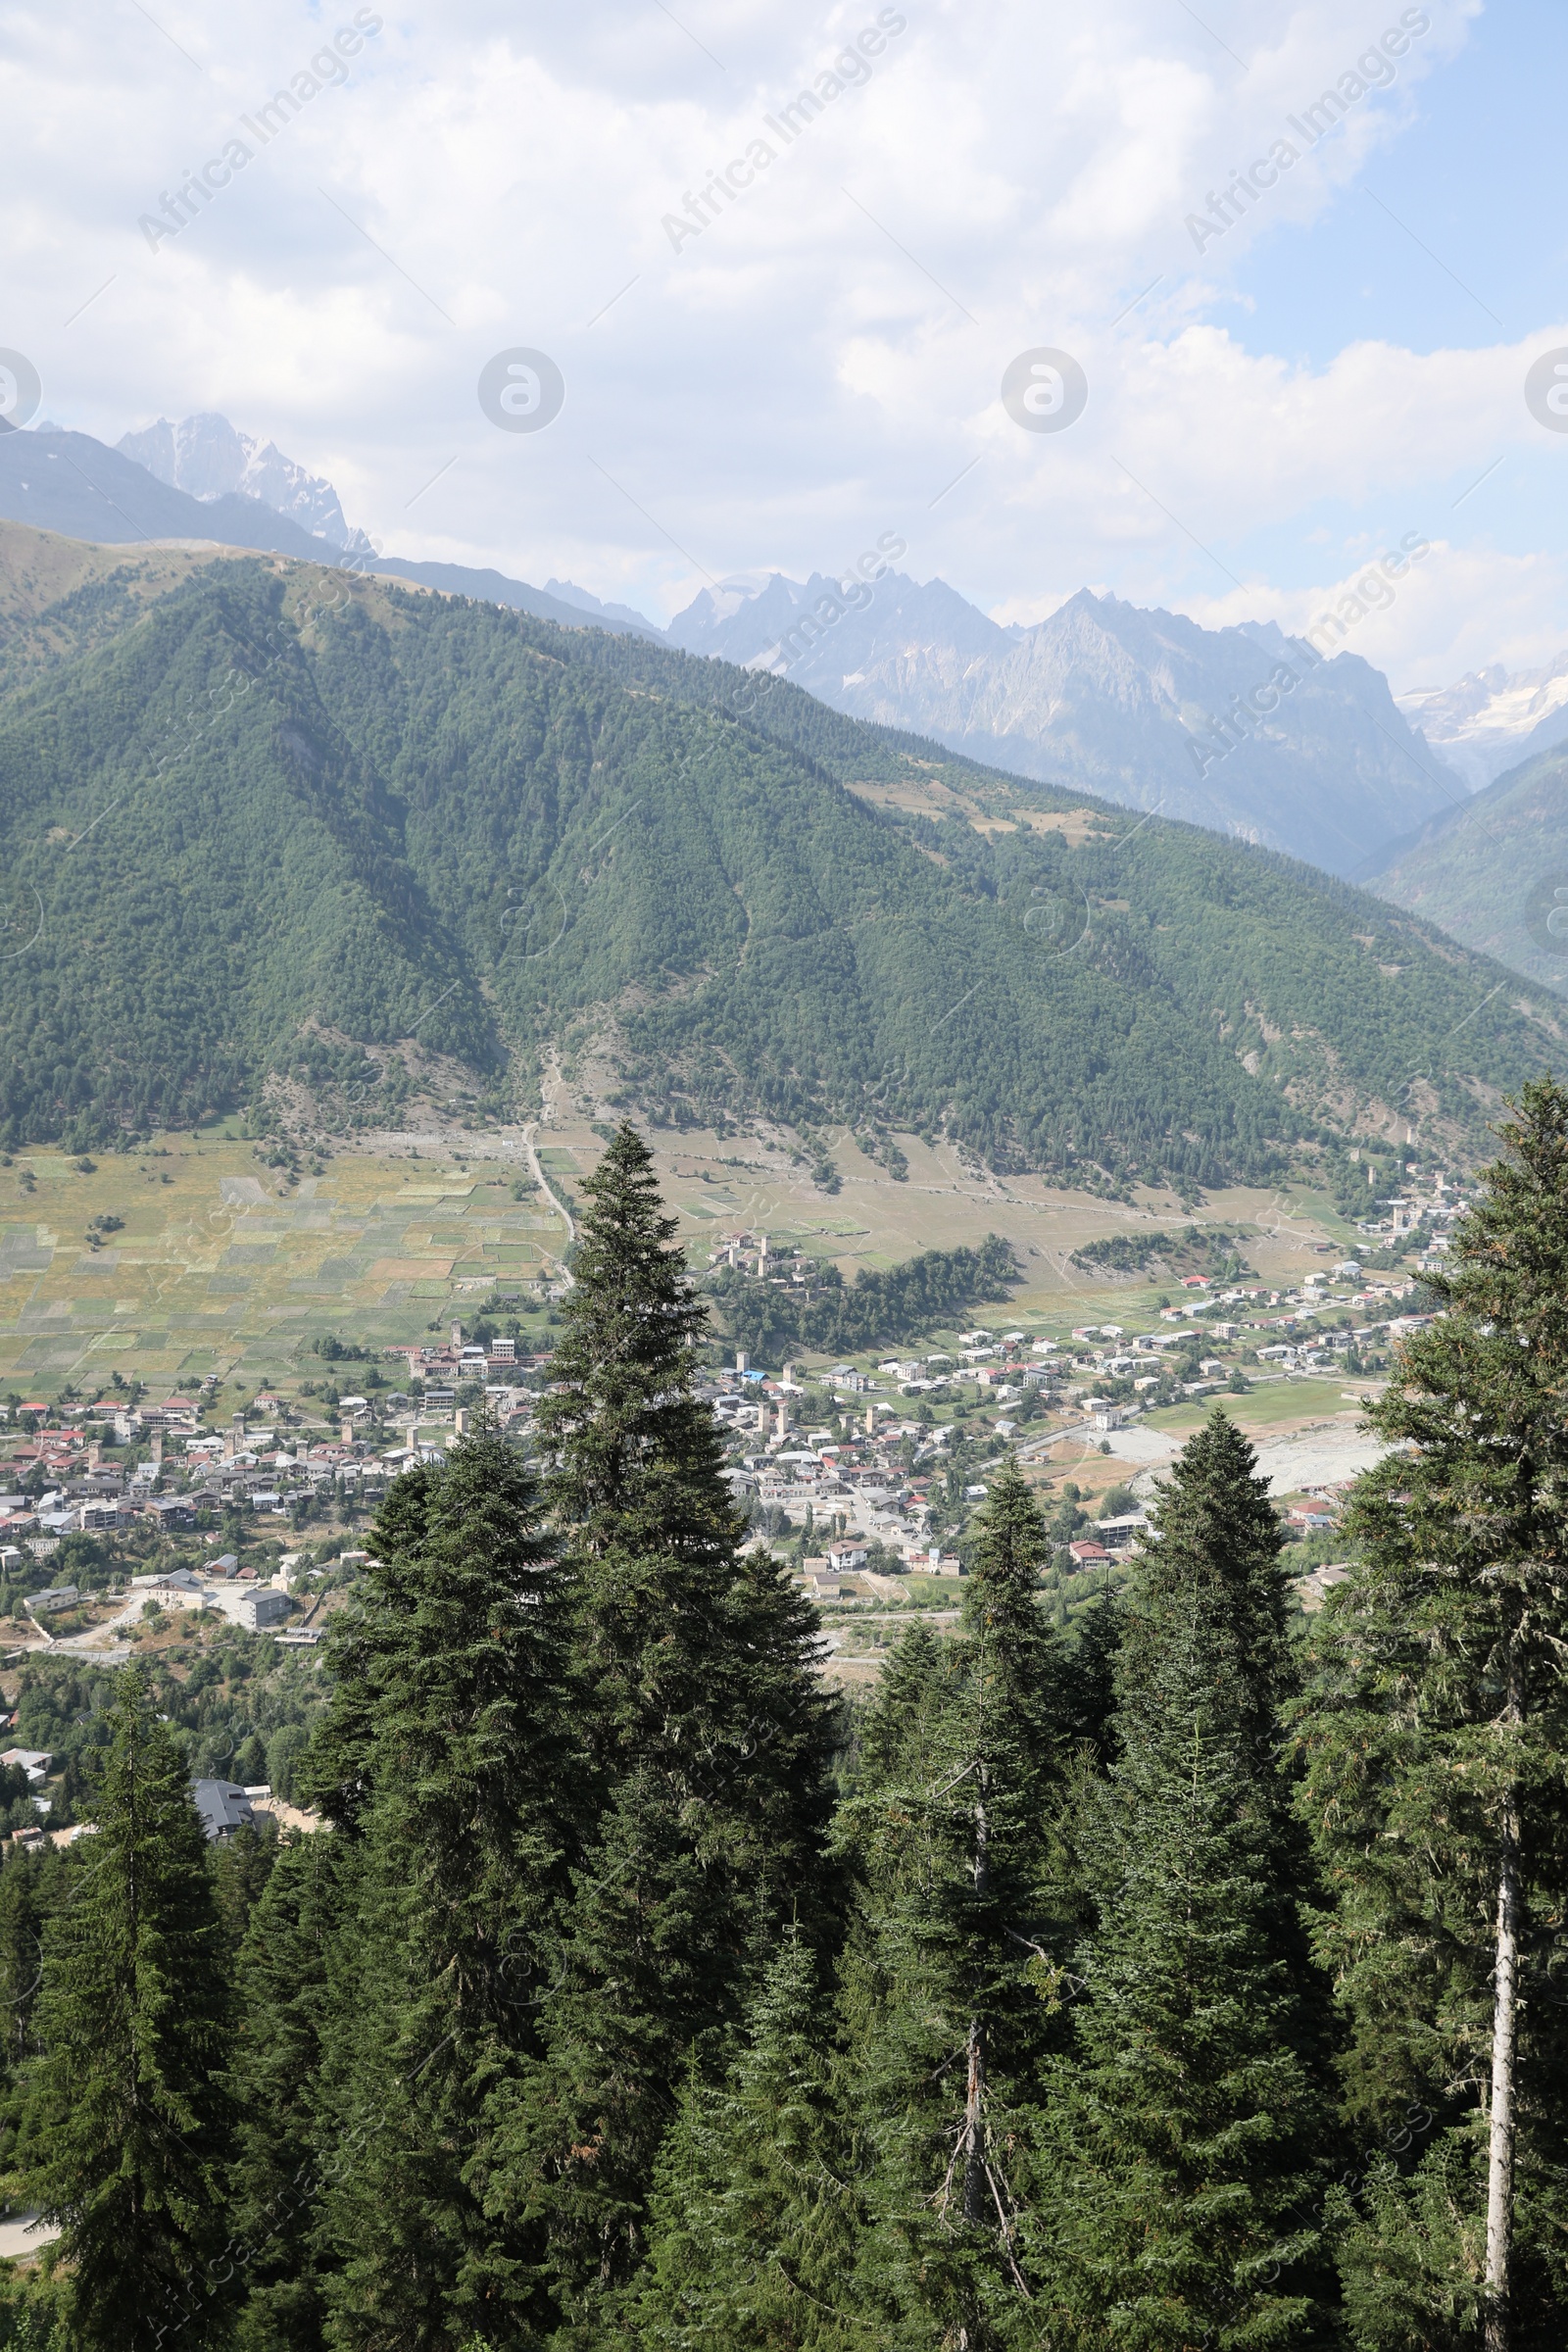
(1495, 873)
(279, 836)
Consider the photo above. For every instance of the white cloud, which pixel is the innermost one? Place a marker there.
(1452, 610)
(817, 365)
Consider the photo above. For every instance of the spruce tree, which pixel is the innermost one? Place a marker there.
(897, 1720)
(1203, 2042)
(756, 2208)
(128, 2130)
(712, 1742)
(1181, 2154)
(953, 1988)
(635, 1459)
(1089, 1678)
(459, 1764)
(297, 1972)
(1012, 1646)
(1212, 1558)
(707, 1739)
(1214, 1549)
(1436, 1733)
(30, 1888)
(241, 1865)
(369, 1637)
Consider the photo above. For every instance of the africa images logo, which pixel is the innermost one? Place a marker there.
(179, 207)
(850, 70)
(1547, 916)
(1374, 70)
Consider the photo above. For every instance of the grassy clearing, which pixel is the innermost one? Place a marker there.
(1277, 1407)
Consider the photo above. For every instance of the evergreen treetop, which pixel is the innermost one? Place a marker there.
(294, 1975)
(1213, 1547)
(366, 1637)
(1001, 1619)
(1433, 1734)
(469, 1804)
(755, 2218)
(951, 1958)
(635, 1459)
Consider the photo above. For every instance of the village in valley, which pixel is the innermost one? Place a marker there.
(156, 1514)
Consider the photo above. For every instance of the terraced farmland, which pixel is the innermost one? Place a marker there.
(210, 1266)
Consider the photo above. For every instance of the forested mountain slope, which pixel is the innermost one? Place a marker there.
(276, 816)
(1495, 873)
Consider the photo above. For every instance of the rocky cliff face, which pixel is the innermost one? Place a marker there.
(1243, 730)
(208, 457)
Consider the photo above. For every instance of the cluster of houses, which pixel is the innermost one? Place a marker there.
(1432, 1212)
(857, 1489)
(864, 1484)
(188, 1470)
(1284, 1329)
(243, 1600)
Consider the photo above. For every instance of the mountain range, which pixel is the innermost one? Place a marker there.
(211, 458)
(278, 834)
(1242, 729)
(69, 482)
(1245, 730)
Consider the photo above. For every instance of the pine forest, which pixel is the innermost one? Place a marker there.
(1193, 1980)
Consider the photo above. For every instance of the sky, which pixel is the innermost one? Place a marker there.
(773, 370)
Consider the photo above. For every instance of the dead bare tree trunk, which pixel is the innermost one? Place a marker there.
(1504, 2036)
(974, 2170)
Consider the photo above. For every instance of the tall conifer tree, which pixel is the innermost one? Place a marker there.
(298, 1971)
(635, 1459)
(756, 2208)
(1436, 1736)
(707, 1732)
(30, 1888)
(949, 1970)
(453, 1760)
(897, 1720)
(1213, 1557)
(1188, 2130)
(128, 2130)
(1183, 2147)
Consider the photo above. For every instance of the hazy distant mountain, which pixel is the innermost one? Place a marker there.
(1141, 708)
(774, 625)
(1495, 873)
(1492, 721)
(611, 616)
(71, 483)
(207, 457)
(1144, 707)
(495, 588)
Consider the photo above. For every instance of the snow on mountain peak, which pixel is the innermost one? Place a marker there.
(207, 457)
(1490, 720)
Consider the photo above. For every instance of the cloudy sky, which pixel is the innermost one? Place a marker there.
(773, 371)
